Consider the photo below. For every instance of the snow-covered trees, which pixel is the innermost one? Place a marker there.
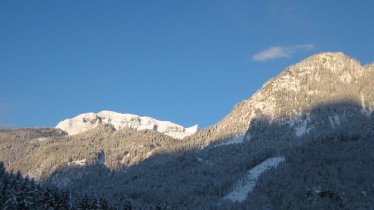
(17, 192)
(321, 174)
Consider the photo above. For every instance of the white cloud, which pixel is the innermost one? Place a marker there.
(280, 52)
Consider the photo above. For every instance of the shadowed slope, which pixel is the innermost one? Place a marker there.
(199, 178)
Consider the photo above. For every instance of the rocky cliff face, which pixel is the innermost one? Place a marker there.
(289, 98)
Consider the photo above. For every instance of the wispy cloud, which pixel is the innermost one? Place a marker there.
(281, 52)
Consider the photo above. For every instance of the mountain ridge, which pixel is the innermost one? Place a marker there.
(296, 90)
(88, 121)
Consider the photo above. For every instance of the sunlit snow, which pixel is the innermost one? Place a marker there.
(87, 121)
(235, 140)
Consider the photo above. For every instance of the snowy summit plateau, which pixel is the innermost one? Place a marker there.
(88, 121)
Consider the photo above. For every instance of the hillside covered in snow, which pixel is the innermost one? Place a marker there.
(88, 121)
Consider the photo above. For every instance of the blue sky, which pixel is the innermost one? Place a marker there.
(188, 62)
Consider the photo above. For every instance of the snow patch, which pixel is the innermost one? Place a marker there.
(301, 126)
(364, 110)
(204, 161)
(238, 139)
(334, 121)
(186, 132)
(363, 101)
(246, 185)
(149, 154)
(331, 122)
(302, 129)
(337, 119)
(77, 162)
(42, 139)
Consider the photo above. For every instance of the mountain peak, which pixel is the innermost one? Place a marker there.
(330, 54)
(333, 61)
(88, 121)
(321, 78)
(327, 56)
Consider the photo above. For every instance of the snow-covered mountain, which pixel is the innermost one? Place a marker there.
(88, 121)
(293, 97)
